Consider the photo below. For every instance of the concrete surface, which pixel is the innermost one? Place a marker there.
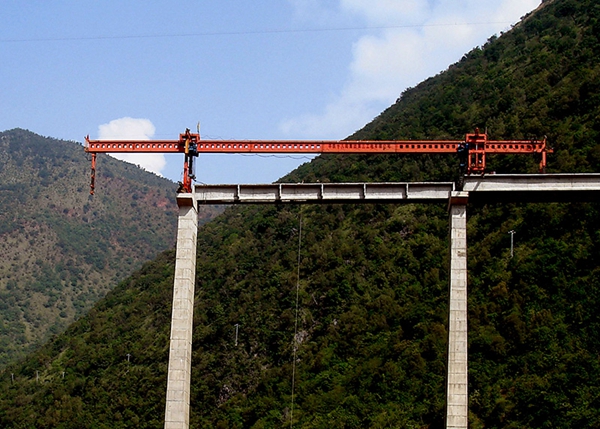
(177, 409)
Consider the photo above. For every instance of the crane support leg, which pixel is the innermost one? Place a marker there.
(543, 160)
(93, 174)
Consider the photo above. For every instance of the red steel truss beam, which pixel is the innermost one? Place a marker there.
(312, 146)
(473, 148)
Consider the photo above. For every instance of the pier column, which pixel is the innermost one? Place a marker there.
(457, 400)
(177, 410)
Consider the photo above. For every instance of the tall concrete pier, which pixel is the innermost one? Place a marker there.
(177, 412)
(457, 405)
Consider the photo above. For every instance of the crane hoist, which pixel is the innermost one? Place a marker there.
(472, 150)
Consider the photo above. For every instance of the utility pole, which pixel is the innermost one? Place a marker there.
(237, 326)
(512, 234)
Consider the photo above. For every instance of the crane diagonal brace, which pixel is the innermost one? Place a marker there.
(472, 149)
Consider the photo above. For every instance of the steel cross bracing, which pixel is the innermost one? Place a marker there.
(472, 150)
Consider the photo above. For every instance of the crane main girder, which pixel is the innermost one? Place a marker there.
(472, 149)
(312, 146)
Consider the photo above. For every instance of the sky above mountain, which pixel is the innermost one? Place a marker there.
(274, 69)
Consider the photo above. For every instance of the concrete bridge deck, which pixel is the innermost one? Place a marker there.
(533, 187)
(490, 188)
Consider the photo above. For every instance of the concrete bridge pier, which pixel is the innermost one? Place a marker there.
(177, 411)
(457, 399)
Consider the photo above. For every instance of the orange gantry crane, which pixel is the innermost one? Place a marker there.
(472, 150)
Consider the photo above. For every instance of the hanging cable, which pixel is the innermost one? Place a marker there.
(273, 31)
(295, 343)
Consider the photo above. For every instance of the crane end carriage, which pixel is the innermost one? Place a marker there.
(472, 152)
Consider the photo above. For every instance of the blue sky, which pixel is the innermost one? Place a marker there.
(274, 69)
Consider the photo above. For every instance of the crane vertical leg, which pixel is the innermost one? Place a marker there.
(476, 161)
(457, 401)
(177, 410)
(543, 162)
(93, 175)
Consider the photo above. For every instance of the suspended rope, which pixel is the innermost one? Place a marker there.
(295, 341)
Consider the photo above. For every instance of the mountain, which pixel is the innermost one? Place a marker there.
(372, 279)
(62, 249)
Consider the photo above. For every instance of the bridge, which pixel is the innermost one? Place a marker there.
(476, 189)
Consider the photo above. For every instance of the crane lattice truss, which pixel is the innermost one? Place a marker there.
(472, 150)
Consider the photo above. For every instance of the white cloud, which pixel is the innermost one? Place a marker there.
(382, 12)
(133, 129)
(422, 39)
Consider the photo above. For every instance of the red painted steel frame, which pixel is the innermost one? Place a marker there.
(477, 146)
(316, 146)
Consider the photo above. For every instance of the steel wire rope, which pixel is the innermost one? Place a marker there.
(241, 32)
(295, 340)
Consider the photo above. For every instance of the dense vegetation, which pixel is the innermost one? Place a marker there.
(62, 249)
(373, 279)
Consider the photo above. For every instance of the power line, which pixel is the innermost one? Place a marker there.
(241, 33)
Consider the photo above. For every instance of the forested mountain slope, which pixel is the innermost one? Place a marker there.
(62, 249)
(373, 279)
